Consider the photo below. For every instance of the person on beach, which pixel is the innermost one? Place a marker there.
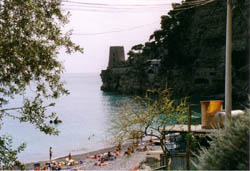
(128, 152)
(70, 156)
(145, 148)
(50, 154)
(117, 153)
(109, 154)
(97, 157)
(132, 149)
(99, 163)
(151, 141)
(119, 147)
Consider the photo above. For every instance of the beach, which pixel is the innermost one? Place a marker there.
(122, 162)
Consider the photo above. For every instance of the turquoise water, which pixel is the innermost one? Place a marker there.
(84, 113)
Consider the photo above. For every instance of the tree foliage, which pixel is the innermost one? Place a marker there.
(148, 116)
(31, 36)
(192, 39)
(229, 148)
(8, 155)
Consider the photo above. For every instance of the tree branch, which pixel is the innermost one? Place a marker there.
(14, 108)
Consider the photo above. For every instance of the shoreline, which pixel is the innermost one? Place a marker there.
(76, 157)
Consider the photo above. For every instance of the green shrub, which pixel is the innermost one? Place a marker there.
(229, 148)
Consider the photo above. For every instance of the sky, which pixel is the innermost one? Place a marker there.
(99, 24)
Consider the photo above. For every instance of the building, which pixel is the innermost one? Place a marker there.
(116, 56)
(207, 76)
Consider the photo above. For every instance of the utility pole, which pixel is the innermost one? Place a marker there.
(188, 139)
(228, 74)
(249, 51)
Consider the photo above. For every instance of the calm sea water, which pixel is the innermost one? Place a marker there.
(84, 113)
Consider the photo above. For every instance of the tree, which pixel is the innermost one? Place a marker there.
(148, 116)
(8, 155)
(31, 37)
(187, 45)
(229, 148)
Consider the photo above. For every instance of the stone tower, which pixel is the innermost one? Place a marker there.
(116, 56)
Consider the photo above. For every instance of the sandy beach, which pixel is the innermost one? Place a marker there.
(122, 162)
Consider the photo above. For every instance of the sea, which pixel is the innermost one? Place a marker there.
(84, 113)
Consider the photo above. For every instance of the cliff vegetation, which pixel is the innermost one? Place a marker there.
(187, 54)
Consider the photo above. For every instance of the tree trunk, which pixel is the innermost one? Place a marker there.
(165, 151)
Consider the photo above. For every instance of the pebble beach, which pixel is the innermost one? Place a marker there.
(122, 162)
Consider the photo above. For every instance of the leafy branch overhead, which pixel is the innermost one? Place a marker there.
(8, 155)
(31, 37)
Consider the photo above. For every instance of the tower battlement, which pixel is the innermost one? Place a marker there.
(116, 56)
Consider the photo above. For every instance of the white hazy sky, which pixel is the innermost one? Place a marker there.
(135, 27)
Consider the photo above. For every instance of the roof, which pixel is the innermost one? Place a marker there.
(184, 128)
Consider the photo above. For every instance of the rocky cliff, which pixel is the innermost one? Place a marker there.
(122, 80)
(191, 49)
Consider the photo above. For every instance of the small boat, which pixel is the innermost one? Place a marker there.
(56, 121)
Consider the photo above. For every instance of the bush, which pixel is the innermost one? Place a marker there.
(229, 148)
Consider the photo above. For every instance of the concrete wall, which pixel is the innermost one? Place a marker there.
(178, 161)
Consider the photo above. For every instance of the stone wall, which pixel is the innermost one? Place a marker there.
(116, 56)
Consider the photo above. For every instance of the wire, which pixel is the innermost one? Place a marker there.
(110, 11)
(195, 2)
(96, 7)
(116, 31)
(117, 5)
(101, 7)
